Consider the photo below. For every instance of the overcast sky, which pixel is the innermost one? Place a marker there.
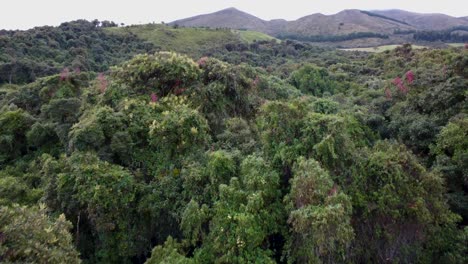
(23, 14)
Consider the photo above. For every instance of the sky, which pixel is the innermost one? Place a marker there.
(24, 14)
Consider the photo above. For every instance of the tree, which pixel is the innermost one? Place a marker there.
(160, 73)
(319, 216)
(398, 205)
(244, 217)
(99, 199)
(313, 80)
(14, 124)
(29, 235)
(451, 152)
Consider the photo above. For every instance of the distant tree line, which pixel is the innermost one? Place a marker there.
(443, 35)
(404, 32)
(333, 38)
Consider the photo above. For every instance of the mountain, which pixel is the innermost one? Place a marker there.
(343, 23)
(226, 18)
(348, 25)
(424, 21)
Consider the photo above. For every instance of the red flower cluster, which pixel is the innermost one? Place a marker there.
(409, 77)
(154, 98)
(102, 82)
(398, 82)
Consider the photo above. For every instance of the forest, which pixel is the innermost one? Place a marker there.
(455, 34)
(113, 150)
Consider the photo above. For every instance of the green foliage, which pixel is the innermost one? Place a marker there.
(190, 41)
(280, 125)
(313, 80)
(275, 88)
(238, 135)
(246, 213)
(20, 184)
(178, 130)
(161, 73)
(334, 38)
(405, 206)
(325, 106)
(13, 126)
(99, 196)
(42, 51)
(451, 151)
(262, 152)
(228, 91)
(319, 218)
(290, 130)
(94, 128)
(168, 254)
(29, 235)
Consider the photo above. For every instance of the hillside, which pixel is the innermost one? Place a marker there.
(350, 28)
(83, 46)
(226, 18)
(342, 23)
(192, 41)
(345, 22)
(424, 21)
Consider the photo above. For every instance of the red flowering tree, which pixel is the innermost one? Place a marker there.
(397, 81)
(409, 76)
(154, 98)
(399, 84)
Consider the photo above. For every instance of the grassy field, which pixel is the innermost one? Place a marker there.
(381, 48)
(183, 40)
(251, 36)
(456, 45)
(191, 41)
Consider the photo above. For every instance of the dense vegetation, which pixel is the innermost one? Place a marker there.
(79, 45)
(455, 34)
(256, 153)
(334, 38)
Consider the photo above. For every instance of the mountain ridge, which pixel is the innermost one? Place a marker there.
(345, 22)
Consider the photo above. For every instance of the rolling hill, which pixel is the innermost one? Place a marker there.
(344, 22)
(424, 21)
(349, 27)
(226, 18)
